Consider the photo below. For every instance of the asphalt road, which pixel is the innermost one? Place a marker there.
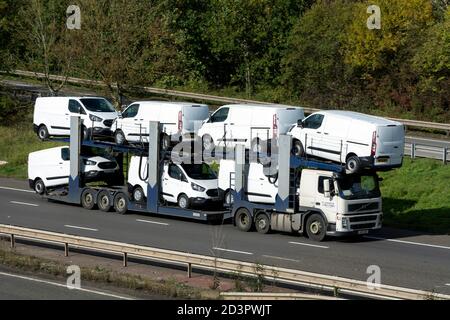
(19, 287)
(406, 259)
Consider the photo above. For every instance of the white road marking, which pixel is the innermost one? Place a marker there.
(447, 284)
(281, 258)
(65, 286)
(81, 228)
(233, 251)
(14, 189)
(309, 245)
(408, 242)
(153, 222)
(24, 204)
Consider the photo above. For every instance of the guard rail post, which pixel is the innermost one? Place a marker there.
(125, 259)
(66, 250)
(13, 241)
(444, 155)
(413, 151)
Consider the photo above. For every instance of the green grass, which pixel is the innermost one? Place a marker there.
(16, 142)
(417, 196)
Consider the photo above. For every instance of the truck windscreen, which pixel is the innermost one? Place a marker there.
(359, 187)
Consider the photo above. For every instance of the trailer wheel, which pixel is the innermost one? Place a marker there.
(138, 195)
(244, 220)
(297, 149)
(119, 138)
(121, 203)
(316, 227)
(43, 133)
(207, 143)
(88, 199)
(165, 142)
(39, 187)
(353, 164)
(262, 223)
(183, 201)
(229, 198)
(104, 201)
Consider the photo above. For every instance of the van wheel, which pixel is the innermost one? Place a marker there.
(297, 149)
(207, 142)
(121, 203)
(138, 195)
(183, 201)
(43, 133)
(243, 220)
(165, 142)
(316, 228)
(262, 223)
(353, 164)
(39, 187)
(88, 199)
(104, 201)
(229, 198)
(119, 137)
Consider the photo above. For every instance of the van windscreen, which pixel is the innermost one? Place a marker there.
(98, 105)
(199, 171)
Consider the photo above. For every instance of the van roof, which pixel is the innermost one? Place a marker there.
(360, 116)
(168, 103)
(269, 106)
(71, 97)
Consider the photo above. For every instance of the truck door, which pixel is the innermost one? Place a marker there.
(328, 205)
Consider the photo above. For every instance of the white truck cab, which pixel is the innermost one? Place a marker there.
(185, 184)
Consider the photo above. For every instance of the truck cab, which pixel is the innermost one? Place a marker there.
(346, 203)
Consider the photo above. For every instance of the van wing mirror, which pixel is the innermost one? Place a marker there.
(300, 123)
(119, 115)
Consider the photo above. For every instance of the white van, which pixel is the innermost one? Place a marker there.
(355, 139)
(247, 124)
(184, 184)
(260, 188)
(51, 168)
(178, 121)
(52, 115)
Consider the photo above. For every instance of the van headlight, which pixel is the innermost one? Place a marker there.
(95, 119)
(196, 187)
(89, 162)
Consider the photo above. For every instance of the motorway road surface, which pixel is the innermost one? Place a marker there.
(19, 287)
(406, 259)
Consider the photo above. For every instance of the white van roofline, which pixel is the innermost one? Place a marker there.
(168, 103)
(72, 97)
(360, 116)
(266, 106)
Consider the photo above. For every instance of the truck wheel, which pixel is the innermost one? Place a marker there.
(316, 227)
(88, 199)
(262, 223)
(297, 149)
(43, 133)
(104, 201)
(183, 201)
(243, 220)
(207, 143)
(39, 187)
(138, 195)
(121, 203)
(353, 164)
(119, 137)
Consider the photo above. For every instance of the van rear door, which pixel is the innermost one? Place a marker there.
(287, 117)
(390, 145)
(193, 117)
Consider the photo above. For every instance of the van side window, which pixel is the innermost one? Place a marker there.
(220, 116)
(75, 107)
(320, 186)
(314, 121)
(176, 173)
(131, 111)
(65, 154)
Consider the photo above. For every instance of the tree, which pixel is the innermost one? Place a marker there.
(8, 22)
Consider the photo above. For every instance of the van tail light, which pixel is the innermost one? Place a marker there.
(374, 144)
(275, 126)
(180, 121)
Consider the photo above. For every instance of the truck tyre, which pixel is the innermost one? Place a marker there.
(244, 220)
(297, 149)
(183, 202)
(262, 223)
(43, 133)
(119, 138)
(121, 203)
(88, 199)
(353, 164)
(39, 187)
(104, 201)
(316, 228)
(138, 195)
(207, 143)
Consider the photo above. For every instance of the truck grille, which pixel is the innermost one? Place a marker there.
(213, 193)
(108, 123)
(363, 226)
(363, 219)
(368, 206)
(107, 165)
